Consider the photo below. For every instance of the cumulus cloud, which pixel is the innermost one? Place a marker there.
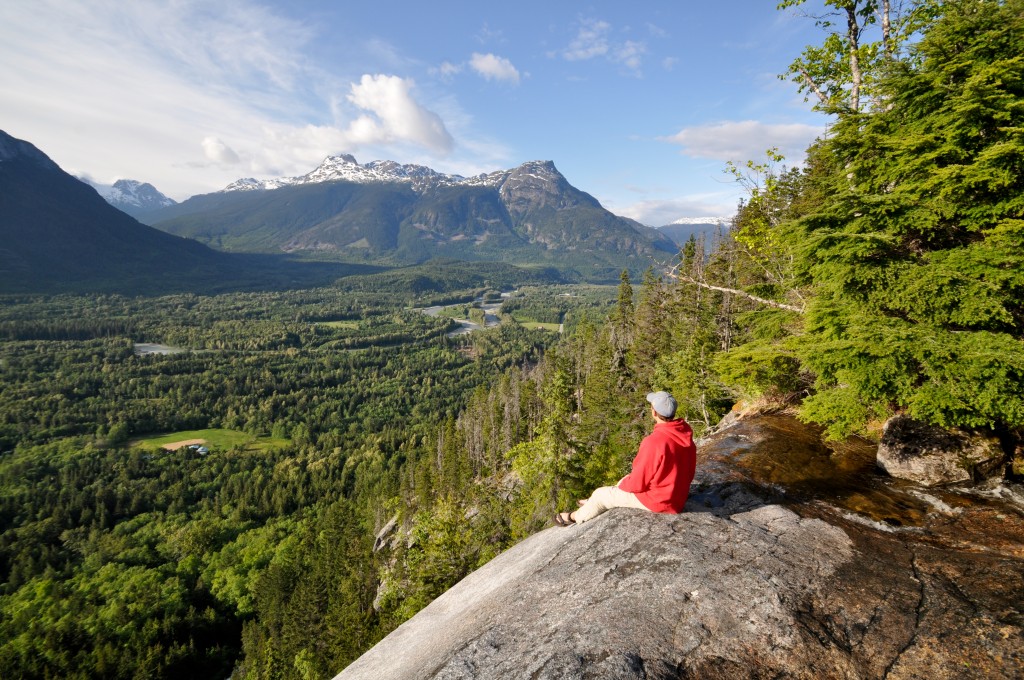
(394, 115)
(219, 152)
(742, 140)
(493, 67)
(192, 95)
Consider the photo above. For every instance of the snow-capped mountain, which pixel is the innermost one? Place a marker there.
(130, 196)
(684, 228)
(410, 213)
(703, 220)
(345, 168)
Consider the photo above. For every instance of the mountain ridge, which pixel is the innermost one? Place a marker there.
(344, 167)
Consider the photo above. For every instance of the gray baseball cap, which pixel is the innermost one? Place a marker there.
(664, 404)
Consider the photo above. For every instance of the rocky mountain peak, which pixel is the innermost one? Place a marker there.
(537, 185)
(131, 196)
(141, 194)
(535, 177)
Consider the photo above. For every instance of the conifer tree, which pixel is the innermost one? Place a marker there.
(917, 257)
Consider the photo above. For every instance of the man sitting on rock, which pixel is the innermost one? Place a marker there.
(662, 470)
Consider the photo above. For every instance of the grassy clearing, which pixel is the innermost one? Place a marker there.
(533, 324)
(214, 439)
(339, 324)
(537, 325)
(455, 312)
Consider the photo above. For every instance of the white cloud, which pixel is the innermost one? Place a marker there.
(493, 67)
(591, 41)
(188, 95)
(396, 115)
(219, 152)
(739, 141)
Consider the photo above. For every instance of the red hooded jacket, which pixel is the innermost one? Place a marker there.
(663, 467)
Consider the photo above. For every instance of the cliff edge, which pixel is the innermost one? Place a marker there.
(740, 585)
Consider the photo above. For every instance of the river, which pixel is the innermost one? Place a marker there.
(491, 318)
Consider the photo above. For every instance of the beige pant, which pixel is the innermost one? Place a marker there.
(604, 499)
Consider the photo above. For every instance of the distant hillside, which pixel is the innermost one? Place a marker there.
(437, 277)
(58, 234)
(386, 213)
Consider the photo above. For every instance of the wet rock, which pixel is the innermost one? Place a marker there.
(931, 456)
(1017, 464)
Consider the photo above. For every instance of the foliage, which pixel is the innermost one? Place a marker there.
(846, 67)
(120, 560)
(916, 257)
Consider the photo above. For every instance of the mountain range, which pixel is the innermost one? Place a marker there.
(385, 212)
(57, 234)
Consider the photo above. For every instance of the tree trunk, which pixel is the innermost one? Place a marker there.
(886, 41)
(853, 42)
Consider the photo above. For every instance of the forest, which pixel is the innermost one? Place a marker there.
(883, 276)
(123, 559)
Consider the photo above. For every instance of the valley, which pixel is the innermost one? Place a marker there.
(252, 433)
(167, 484)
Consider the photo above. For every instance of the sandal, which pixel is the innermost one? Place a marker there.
(564, 519)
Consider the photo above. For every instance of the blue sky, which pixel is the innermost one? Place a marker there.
(639, 104)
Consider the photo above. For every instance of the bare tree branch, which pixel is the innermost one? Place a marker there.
(813, 86)
(674, 274)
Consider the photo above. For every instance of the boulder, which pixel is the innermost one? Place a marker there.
(932, 456)
(628, 595)
(740, 585)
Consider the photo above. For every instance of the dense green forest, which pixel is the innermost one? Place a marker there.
(388, 460)
(121, 559)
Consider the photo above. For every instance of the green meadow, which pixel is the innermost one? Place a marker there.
(339, 324)
(214, 439)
